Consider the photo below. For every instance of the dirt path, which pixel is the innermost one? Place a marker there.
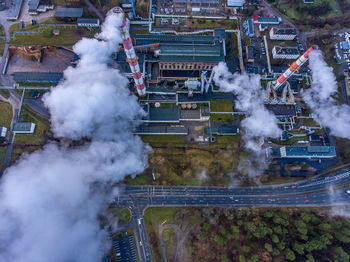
(181, 236)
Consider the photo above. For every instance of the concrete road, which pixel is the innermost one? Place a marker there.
(306, 193)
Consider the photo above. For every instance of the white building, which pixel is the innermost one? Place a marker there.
(23, 128)
(3, 131)
(288, 52)
(235, 3)
(282, 33)
(88, 22)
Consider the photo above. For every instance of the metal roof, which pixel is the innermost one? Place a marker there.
(88, 21)
(222, 130)
(32, 77)
(269, 20)
(308, 151)
(68, 12)
(14, 10)
(145, 39)
(235, 2)
(33, 5)
(164, 114)
(22, 127)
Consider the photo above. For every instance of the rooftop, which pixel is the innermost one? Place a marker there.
(68, 12)
(284, 31)
(308, 151)
(14, 10)
(44, 77)
(23, 127)
(88, 21)
(286, 50)
(267, 20)
(222, 130)
(164, 114)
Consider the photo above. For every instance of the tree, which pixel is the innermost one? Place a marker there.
(268, 247)
(242, 258)
(309, 258)
(235, 232)
(300, 226)
(245, 249)
(340, 255)
(275, 252)
(281, 245)
(342, 238)
(254, 258)
(299, 248)
(275, 239)
(289, 254)
(202, 235)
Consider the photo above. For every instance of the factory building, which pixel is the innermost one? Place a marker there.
(287, 52)
(314, 152)
(68, 14)
(282, 33)
(183, 52)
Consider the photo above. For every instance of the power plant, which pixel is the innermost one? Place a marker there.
(274, 85)
(131, 57)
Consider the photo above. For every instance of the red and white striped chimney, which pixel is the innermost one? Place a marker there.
(293, 68)
(132, 59)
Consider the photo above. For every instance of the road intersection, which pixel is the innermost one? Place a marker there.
(321, 191)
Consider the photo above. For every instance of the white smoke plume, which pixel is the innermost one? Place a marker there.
(338, 209)
(319, 98)
(50, 199)
(259, 123)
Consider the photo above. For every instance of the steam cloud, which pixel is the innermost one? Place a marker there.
(259, 123)
(50, 199)
(319, 98)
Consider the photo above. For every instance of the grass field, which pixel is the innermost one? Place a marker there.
(17, 151)
(2, 154)
(67, 37)
(273, 179)
(5, 93)
(222, 117)
(42, 127)
(5, 114)
(178, 163)
(221, 105)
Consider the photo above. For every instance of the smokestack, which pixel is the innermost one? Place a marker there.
(293, 68)
(130, 54)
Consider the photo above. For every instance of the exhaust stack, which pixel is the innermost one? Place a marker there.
(132, 59)
(293, 68)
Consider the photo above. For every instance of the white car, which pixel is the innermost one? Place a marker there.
(348, 191)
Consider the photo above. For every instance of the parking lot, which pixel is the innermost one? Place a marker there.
(342, 52)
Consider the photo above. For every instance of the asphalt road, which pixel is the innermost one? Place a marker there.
(314, 192)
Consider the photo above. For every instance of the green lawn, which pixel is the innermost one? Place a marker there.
(159, 140)
(5, 93)
(222, 117)
(221, 105)
(67, 37)
(2, 155)
(5, 114)
(42, 127)
(18, 150)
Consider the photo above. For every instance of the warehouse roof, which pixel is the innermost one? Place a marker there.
(14, 10)
(222, 130)
(192, 51)
(23, 127)
(88, 21)
(69, 12)
(145, 39)
(164, 114)
(308, 151)
(46, 77)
